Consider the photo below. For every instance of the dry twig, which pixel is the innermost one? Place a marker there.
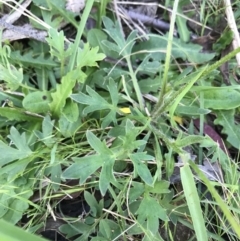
(233, 26)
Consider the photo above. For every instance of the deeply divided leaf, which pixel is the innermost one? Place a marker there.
(232, 130)
(63, 91)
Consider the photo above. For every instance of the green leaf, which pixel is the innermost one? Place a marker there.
(64, 90)
(42, 76)
(131, 129)
(10, 232)
(183, 91)
(191, 110)
(108, 119)
(19, 140)
(189, 140)
(109, 229)
(15, 168)
(114, 31)
(141, 168)
(12, 76)
(4, 200)
(182, 26)
(9, 154)
(227, 120)
(221, 98)
(37, 102)
(111, 116)
(15, 210)
(17, 193)
(130, 135)
(46, 136)
(149, 67)
(130, 42)
(111, 46)
(96, 37)
(18, 115)
(56, 172)
(74, 228)
(136, 191)
(83, 167)
(193, 201)
(159, 187)
(186, 51)
(55, 169)
(94, 101)
(121, 47)
(113, 90)
(89, 56)
(106, 175)
(221, 204)
(68, 128)
(151, 211)
(28, 60)
(96, 208)
(71, 111)
(60, 9)
(47, 129)
(12, 99)
(223, 42)
(99, 146)
(80, 29)
(56, 41)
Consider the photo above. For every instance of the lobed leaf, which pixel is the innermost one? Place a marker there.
(63, 91)
(93, 100)
(56, 41)
(151, 211)
(12, 76)
(89, 56)
(97, 144)
(28, 60)
(9, 154)
(141, 168)
(96, 37)
(96, 208)
(226, 119)
(109, 229)
(114, 31)
(83, 167)
(106, 175)
(19, 140)
(67, 127)
(16, 192)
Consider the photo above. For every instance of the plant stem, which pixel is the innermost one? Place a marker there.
(161, 106)
(167, 61)
(135, 83)
(220, 62)
(81, 27)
